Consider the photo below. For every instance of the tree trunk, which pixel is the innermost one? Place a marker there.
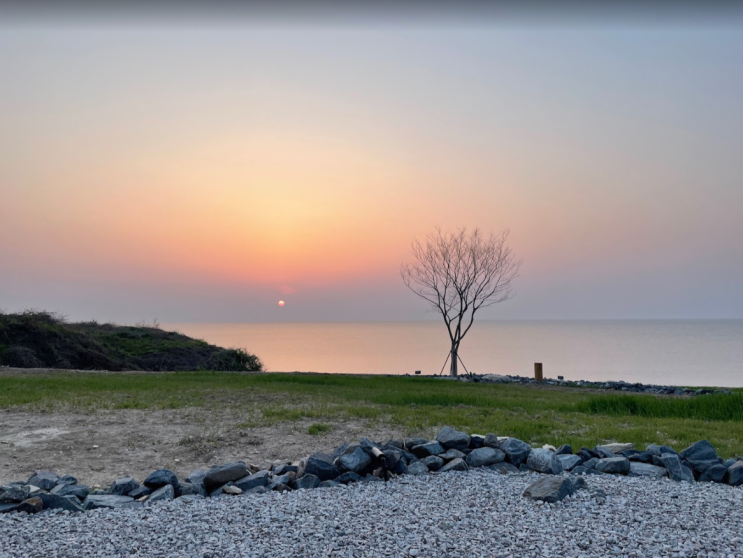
(454, 359)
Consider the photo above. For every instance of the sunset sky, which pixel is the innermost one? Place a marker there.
(204, 172)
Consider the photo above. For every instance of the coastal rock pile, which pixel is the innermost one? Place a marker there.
(636, 387)
(367, 461)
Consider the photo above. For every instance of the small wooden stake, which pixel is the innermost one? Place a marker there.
(538, 371)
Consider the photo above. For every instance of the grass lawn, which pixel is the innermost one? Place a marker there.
(536, 414)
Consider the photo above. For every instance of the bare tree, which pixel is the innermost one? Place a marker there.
(458, 274)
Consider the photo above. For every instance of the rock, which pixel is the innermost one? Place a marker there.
(613, 465)
(122, 486)
(700, 451)
(667, 449)
(450, 438)
(230, 489)
(482, 457)
(603, 452)
(165, 492)
(410, 443)
(554, 489)
(286, 468)
(641, 457)
(45, 480)
(637, 469)
(653, 449)
(504, 468)
(56, 502)
(197, 477)
(676, 470)
(356, 461)
(544, 461)
(591, 463)
(9, 507)
(565, 449)
(79, 491)
(348, 476)
(328, 484)
(109, 501)
(140, 492)
(161, 477)
(454, 465)
(13, 494)
(735, 474)
(581, 470)
(491, 441)
(368, 445)
(222, 474)
(516, 451)
(190, 489)
(320, 465)
(417, 468)
(433, 462)
(714, 473)
(476, 441)
(430, 448)
(66, 479)
(31, 505)
(568, 461)
(307, 482)
(448, 455)
(616, 447)
(260, 478)
(395, 460)
(285, 479)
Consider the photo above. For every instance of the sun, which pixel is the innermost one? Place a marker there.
(281, 303)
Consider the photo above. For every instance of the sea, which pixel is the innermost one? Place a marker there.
(667, 352)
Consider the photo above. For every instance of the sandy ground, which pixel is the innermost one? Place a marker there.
(98, 447)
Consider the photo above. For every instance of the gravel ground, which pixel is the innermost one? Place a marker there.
(477, 513)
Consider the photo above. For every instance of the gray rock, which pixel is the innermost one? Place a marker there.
(67, 479)
(31, 505)
(417, 468)
(410, 443)
(110, 501)
(320, 465)
(700, 451)
(569, 461)
(13, 494)
(328, 484)
(140, 492)
(654, 449)
(122, 486)
(433, 462)
(9, 507)
(46, 480)
(450, 438)
(637, 469)
(454, 465)
(603, 452)
(430, 448)
(504, 468)
(287, 468)
(516, 451)
(57, 502)
(735, 474)
(285, 480)
(307, 482)
(161, 477)
(197, 477)
(544, 461)
(261, 478)
(477, 441)
(395, 460)
(165, 492)
(591, 463)
(616, 447)
(482, 457)
(676, 470)
(448, 455)
(187, 489)
(613, 465)
(714, 473)
(554, 489)
(222, 474)
(356, 461)
(79, 491)
(491, 441)
(348, 476)
(565, 449)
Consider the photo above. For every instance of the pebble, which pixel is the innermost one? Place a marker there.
(476, 513)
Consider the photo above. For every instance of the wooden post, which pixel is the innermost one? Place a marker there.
(538, 371)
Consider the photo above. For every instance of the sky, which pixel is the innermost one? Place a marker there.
(201, 170)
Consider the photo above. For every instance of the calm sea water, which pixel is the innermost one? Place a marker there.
(695, 352)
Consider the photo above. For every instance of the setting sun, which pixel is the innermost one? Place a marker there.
(281, 303)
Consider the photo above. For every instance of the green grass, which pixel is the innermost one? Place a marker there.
(318, 428)
(537, 415)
